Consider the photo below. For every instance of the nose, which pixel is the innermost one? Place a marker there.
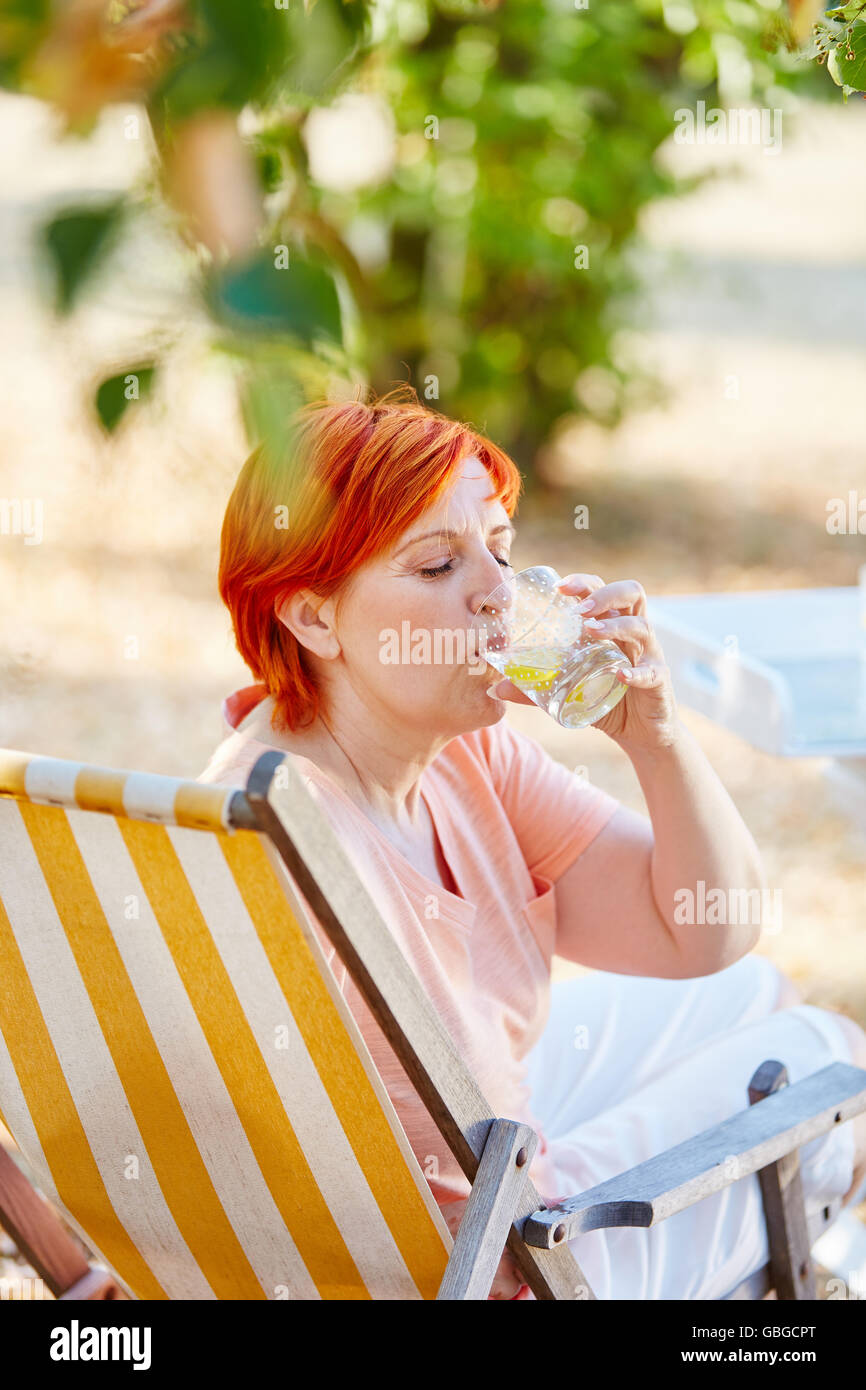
(492, 596)
(494, 605)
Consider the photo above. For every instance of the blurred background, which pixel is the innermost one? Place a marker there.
(213, 212)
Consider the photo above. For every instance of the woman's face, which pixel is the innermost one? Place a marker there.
(405, 621)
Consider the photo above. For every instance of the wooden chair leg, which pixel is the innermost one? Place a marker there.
(489, 1213)
(36, 1230)
(792, 1272)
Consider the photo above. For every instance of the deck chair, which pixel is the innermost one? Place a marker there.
(187, 1088)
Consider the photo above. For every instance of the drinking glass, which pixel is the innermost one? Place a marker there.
(534, 635)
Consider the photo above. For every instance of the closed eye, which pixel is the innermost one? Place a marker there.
(446, 567)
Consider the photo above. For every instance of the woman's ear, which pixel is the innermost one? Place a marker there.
(309, 617)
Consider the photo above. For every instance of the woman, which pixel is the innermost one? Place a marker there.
(486, 856)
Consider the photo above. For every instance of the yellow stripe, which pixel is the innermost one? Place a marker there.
(177, 1163)
(200, 806)
(224, 1024)
(100, 789)
(337, 1062)
(67, 1152)
(13, 772)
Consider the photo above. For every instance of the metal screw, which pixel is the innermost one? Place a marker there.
(521, 1157)
(558, 1234)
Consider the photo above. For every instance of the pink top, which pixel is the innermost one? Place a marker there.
(510, 820)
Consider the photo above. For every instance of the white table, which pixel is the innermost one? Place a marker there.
(784, 669)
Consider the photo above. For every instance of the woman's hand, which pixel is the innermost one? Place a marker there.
(647, 716)
(507, 1281)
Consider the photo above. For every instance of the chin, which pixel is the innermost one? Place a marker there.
(497, 713)
(473, 709)
(487, 710)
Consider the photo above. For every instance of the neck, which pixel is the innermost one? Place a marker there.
(376, 764)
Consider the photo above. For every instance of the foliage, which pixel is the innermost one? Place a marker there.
(510, 271)
(839, 39)
(259, 297)
(489, 261)
(116, 392)
(74, 240)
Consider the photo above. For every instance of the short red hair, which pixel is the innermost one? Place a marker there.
(353, 476)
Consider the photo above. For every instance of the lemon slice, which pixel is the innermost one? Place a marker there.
(531, 676)
(535, 668)
(576, 696)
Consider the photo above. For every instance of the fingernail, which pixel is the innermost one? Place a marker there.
(586, 606)
(592, 622)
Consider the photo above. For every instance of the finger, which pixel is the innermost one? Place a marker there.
(502, 1289)
(623, 627)
(648, 676)
(579, 584)
(507, 1280)
(624, 594)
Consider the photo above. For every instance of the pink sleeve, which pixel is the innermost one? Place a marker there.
(554, 813)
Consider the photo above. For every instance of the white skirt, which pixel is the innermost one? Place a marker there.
(629, 1066)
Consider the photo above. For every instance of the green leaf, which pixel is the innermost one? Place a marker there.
(268, 402)
(75, 240)
(231, 54)
(274, 377)
(852, 71)
(322, 42)
(23, 26)
(833, 67)
(257, 297)
(117, 392)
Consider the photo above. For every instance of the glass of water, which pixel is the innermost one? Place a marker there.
(534, 635)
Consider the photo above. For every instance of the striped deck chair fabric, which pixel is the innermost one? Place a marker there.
(177, 1064)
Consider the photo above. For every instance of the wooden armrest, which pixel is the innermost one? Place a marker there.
(688, 1172)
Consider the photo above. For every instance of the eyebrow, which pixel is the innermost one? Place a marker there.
(449, 535)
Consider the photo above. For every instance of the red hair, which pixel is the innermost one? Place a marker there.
(352, 478)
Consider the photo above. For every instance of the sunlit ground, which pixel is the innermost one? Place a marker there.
(115, 647)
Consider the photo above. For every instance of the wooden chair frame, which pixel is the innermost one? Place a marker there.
(504, 1208)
